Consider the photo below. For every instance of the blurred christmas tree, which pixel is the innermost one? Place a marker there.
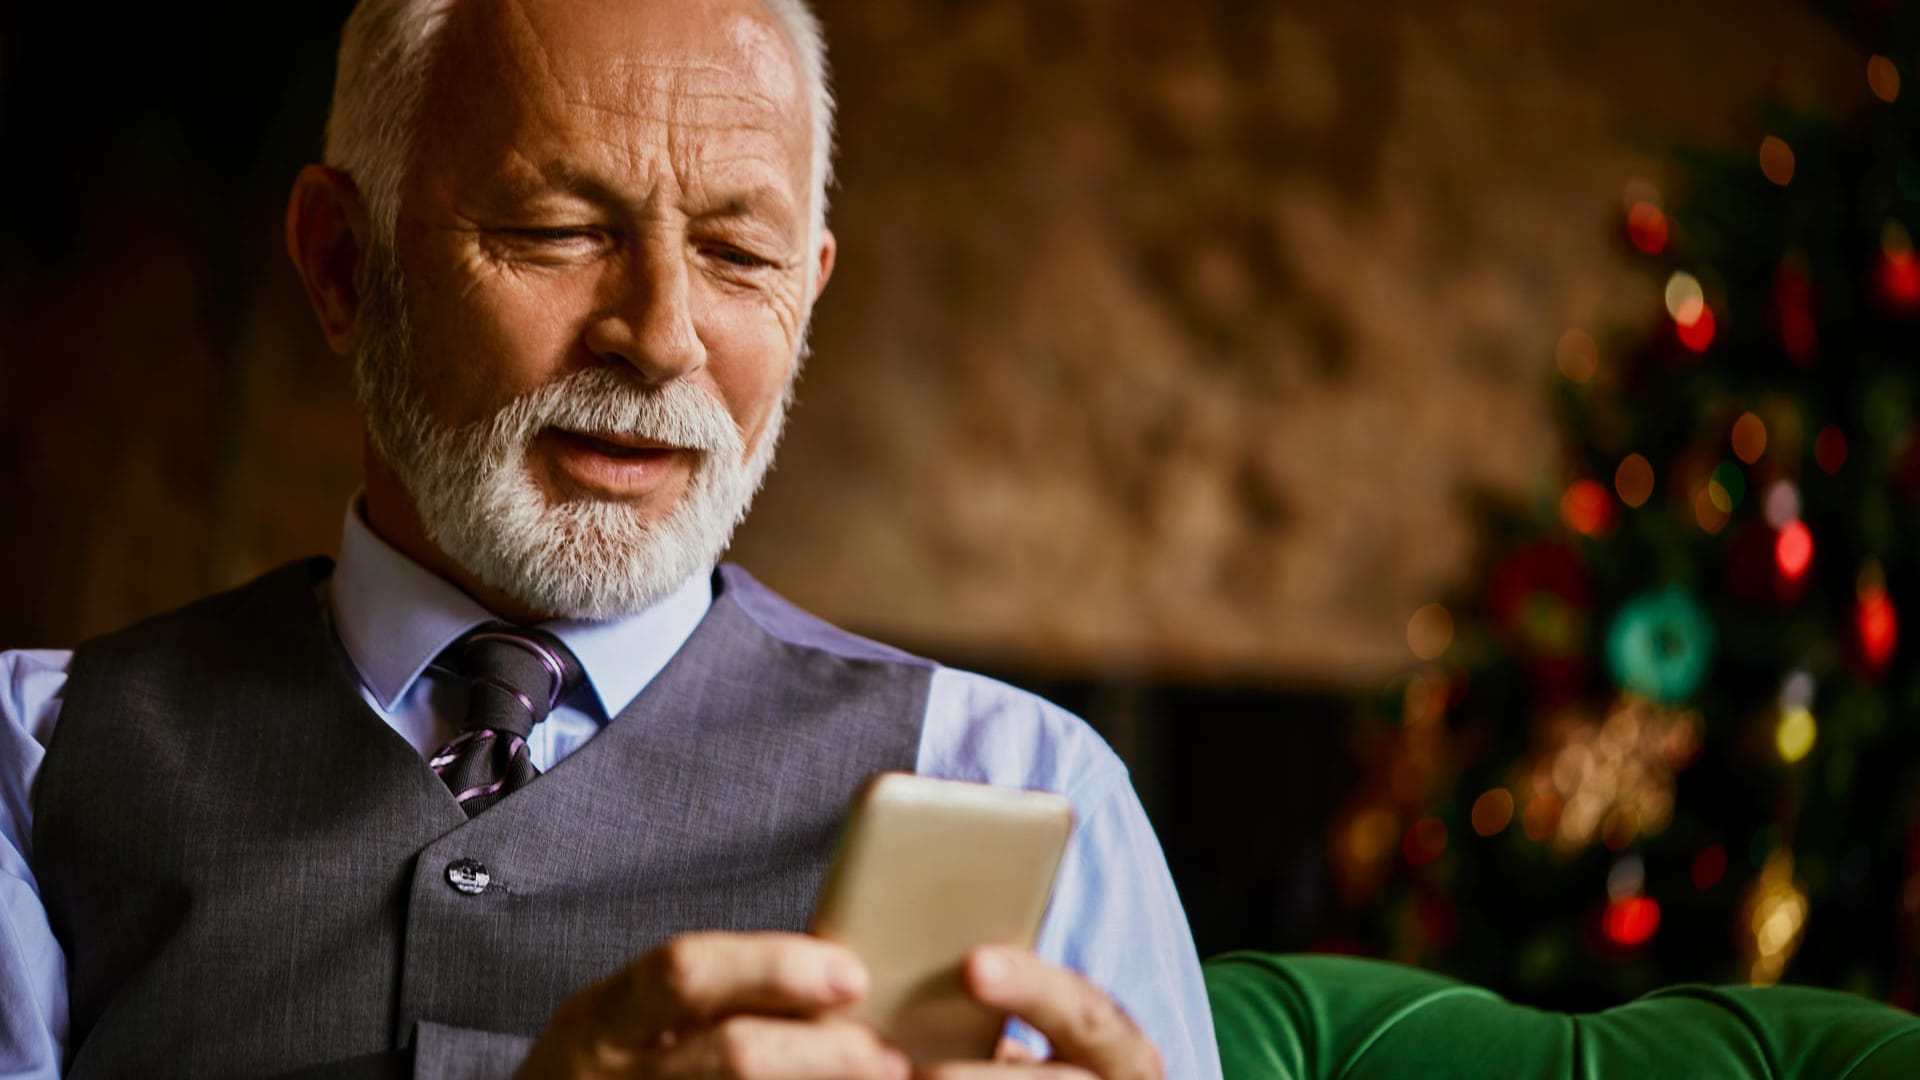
(1673, 735)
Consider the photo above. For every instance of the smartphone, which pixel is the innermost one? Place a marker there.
(926, 871)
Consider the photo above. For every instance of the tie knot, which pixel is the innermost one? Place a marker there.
(517, 675)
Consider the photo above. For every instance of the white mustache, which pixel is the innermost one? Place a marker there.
(603, 401)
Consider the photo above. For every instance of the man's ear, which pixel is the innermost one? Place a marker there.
(828, 248)
(327, 238)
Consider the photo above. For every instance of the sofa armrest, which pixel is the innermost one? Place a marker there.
(1308, 1017)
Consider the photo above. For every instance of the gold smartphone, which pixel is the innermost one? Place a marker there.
(926, 871)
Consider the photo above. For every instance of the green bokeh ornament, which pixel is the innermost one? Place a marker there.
(1661, 645)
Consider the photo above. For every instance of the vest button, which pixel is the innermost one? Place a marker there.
(469, 876)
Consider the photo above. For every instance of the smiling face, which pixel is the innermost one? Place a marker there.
(575, 358)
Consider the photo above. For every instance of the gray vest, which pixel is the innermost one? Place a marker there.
(250, 871)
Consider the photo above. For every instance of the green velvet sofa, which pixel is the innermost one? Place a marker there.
(1315, 1017)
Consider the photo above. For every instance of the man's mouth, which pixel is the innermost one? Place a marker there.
(612, 464)
(613, 444)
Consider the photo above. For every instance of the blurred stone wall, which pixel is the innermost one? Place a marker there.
(1165, 339)
(1172, 337)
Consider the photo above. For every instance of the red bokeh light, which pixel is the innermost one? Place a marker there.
(1587, 508)
(1897, 279)
(1698, 334)
(1876, 626)
(1830, 449)
(1709, 867)
(1647, 228)
(1632, 921)
(1793, 550)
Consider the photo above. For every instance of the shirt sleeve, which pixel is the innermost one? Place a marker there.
(33, 970)
(1115, 916)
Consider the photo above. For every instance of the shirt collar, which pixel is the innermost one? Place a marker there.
(394, 616)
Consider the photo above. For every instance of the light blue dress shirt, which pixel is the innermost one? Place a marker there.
(1115, 916)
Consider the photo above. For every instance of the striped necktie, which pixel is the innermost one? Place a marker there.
(516, 675)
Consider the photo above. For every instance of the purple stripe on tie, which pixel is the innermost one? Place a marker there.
(452, 751)
(514, 746)
(484, 789)
(551, 662)
(525, 702)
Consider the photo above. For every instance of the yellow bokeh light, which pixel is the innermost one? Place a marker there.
(1795, 734)
(1372, 835)
(1721, 498)
(1749, 438)
(1774, 909)
(1776, 160)
(1633, 480)
(1492, 811)
(1430, 632)
(1707, 510)
(1883, 78)
(1685, 298)
(1577, 356)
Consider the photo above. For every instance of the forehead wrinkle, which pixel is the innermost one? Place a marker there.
(665, 106)
(689, 142)
(662, 93)
(676, 101)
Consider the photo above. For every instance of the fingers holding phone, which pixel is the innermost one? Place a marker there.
(702, 977)
(748, 1006)
(1090, 1034)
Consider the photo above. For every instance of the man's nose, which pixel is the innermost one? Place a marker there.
(646, 319)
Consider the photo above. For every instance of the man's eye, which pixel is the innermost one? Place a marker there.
(559, 235)
(745, 260)
(550, 244)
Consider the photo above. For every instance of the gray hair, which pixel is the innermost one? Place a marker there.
(386, 50)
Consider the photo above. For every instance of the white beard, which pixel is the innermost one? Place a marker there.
(581, 557)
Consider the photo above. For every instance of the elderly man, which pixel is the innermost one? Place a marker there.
(360, 817)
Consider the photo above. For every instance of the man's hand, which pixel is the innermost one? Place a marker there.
(1091, 1036)
(736, 1006)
